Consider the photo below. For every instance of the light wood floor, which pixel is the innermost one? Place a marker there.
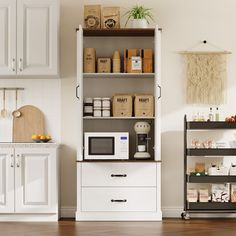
(169, 227)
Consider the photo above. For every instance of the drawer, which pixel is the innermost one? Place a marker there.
(119, 199)
(118, 174)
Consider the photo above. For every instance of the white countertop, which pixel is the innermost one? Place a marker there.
(29, 145)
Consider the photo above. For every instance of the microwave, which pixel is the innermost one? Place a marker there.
(106, 145)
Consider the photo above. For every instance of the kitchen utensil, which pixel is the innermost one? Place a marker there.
(30, 122)
(4, 110)
(16, 113)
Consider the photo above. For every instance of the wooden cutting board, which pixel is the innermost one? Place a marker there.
(30, 122)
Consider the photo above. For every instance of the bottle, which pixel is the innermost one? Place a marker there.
(211, 117)
(217, 115)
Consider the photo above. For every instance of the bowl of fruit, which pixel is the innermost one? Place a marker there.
(39, 138)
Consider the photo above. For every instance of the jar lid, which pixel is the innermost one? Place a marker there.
(97, 109)
(106, 99)
(106, 109)
(97, 99)
(88, 99)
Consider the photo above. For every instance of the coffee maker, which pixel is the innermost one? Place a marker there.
(142, 129)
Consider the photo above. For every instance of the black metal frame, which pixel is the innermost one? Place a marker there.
(206, 207)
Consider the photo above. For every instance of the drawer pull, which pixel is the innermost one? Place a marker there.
(119, 176)
(118, 200)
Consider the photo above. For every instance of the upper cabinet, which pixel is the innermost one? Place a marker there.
(29, 37)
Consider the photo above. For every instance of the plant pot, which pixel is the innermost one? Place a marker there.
(139, 23)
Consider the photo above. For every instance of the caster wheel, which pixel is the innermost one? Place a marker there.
(185, 216)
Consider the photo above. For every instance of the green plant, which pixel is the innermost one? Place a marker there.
(139, 12)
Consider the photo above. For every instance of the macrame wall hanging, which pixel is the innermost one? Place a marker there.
(206, 76)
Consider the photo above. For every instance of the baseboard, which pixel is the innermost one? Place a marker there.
(68, 211)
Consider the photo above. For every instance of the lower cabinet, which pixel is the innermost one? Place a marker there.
(118, 191)
(29, 182)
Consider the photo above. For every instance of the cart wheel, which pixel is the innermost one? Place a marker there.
(185, 216)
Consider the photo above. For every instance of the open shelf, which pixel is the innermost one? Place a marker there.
(118, 75)
(211, 179)
(211, 206)
(211, 152)
(118, 118)
(211, 125)
(123, 32)
(130, 160)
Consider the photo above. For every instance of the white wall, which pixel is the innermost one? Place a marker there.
(44, 94)
(184, 23)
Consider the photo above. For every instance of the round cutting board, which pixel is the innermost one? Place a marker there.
(30, 122)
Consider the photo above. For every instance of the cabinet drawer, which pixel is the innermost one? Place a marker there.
(119, 199)
(118, 174)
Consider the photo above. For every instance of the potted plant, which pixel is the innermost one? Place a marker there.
(140, 16)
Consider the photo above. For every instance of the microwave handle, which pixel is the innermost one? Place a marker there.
(118, 176)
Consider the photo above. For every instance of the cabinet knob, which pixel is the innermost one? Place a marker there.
(118, 200)
(17, 160)
(12, 160)
(118, 176)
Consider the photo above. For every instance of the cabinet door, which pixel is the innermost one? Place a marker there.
(37, 37)
(6, 180)
(7, 37)
(36, 180)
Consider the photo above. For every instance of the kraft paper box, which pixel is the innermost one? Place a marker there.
(110, 17)
(104, 65)
(192, 195)
(144, 105)
(92, 16)
(122, 105)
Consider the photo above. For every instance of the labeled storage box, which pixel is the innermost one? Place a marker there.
(133, 61)
(233, 193)
(143, 105)
(220, 192)
(92, 16)
(203, 195)
(192, 195)
(89, 60)
(110, 17)
(122, 105)
(104, 65)
(147, 61)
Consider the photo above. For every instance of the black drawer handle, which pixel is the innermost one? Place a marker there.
(119, 176)
(118, 200)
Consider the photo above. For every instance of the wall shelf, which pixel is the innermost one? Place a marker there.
(210, 179)
(123, 32)
(118, 75)
(211, 152)
(210, 125)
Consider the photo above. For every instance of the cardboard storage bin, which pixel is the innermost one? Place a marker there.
(147, 61)
(110, 17)
(143, 105)
(104, 65)
(132, 60)
(92, 16)
(122, 105)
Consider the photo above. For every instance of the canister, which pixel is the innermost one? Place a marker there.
(88, 102)
(88, 109)
(106, 112)
(106, 103)
(97, 103)
(97, 112)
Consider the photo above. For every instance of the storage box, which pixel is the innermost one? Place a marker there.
(192, 195)
(122, 105)
(220, 192)
(104, 65)
(143, 105)
(92, 16)
(110, 17)
(133, 61)
(214, 170)
(89, 60)
(147, 61)
(233, 193)
(203, 195)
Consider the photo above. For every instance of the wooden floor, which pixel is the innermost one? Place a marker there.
(169, 227)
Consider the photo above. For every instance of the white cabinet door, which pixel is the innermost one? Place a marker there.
(37, 37)
(7, 37)
(6, 180)
(35, 180)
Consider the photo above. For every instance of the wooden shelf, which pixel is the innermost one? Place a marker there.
(123, 32)
(210, 125)
(211, 179)
(211, 206)
(119, 75)
(118, 118)
(211, 152)
(131, 160)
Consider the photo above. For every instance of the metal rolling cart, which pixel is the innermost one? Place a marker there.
(206, 207)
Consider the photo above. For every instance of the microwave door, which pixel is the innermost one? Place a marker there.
(101, 147)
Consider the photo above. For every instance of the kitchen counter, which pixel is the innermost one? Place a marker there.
(29, 145)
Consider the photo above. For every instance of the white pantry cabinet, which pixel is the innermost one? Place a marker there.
(29, 182)
(29, 37)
